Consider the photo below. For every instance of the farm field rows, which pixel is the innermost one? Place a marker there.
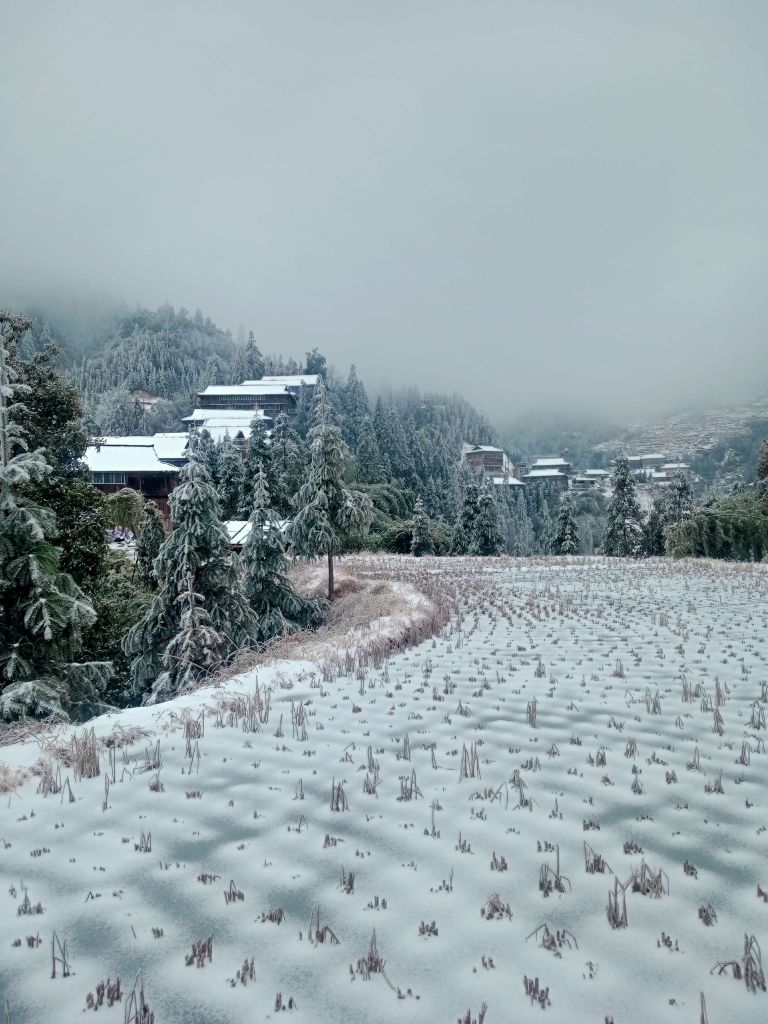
(556, 810)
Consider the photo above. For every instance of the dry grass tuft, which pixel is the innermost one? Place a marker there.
(10, 779)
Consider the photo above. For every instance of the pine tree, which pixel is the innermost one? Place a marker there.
(654, 537)
(326, 510)
(465, 524)
(288, 458)
(355, 410)
(253, 360)
(197, 650)
(545, 537)
(151, 537)
(198, 548)
(269, 592)
(486, 536)
(259, 456)
(565, 540)
(680, 500)
(623, 527)
(43, 613)
(231, 478)
(397, 447)
(303, 419)
(421, 542)
(202, 445)
(524, 539)
(370, 465)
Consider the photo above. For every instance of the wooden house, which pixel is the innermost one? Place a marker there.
(117, 462)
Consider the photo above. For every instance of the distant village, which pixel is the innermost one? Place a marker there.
(494, 464)
(150, 464)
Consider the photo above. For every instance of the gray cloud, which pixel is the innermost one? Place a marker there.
(536, 203)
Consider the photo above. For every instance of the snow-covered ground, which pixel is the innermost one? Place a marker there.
(604, 648)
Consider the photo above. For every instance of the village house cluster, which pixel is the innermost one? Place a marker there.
(495, 465)
(150, 464)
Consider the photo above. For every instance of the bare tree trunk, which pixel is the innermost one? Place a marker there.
(330, 576)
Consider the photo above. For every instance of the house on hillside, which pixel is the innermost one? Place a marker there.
(676, 469)
(146, 401)
(235, 423)
(590, 479)
(550, 469)
(272, 395)
(117, 462)
(640, 464)
(487, 460)
(506, 481)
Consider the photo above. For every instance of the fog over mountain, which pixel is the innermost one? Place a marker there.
(541, 205)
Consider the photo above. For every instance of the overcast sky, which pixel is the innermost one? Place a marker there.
(534, 202)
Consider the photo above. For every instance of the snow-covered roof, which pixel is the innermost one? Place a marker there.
(245, 390)
(596, 472)
(171, 444)
(646, 458)
(126, 458)
(131, 440)
(238, 530)
(659, 477)
(219, 431)
(550, 461)
(225, 415)
(549, 472)
(510, 481)
(481, 448)
(287, 380)
(675, 465)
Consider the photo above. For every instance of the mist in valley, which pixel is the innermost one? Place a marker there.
(552, 209)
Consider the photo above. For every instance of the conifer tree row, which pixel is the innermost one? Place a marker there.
(43, 613)
(326, 509)
(197, 569)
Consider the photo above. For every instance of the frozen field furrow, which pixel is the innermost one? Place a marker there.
(604, 649)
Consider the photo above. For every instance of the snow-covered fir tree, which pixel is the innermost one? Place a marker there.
(486, 536)
(326, 509)
(565, 539)
(545, 537)
(249, 362)
(371, 468)
(231, 478)
(463, 530)
(289, 462)
(259, 456)
(421, 541)
(151, 537)
(204, 448)
(268, 590)
(624, 521)
(680, 499)
(654, 535)
(197, 549)
(197, 650)
(43, 613)
(355, 404)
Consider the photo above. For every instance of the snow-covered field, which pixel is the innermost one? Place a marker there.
(612, 761)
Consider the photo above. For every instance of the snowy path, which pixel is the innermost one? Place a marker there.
(562, 634)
